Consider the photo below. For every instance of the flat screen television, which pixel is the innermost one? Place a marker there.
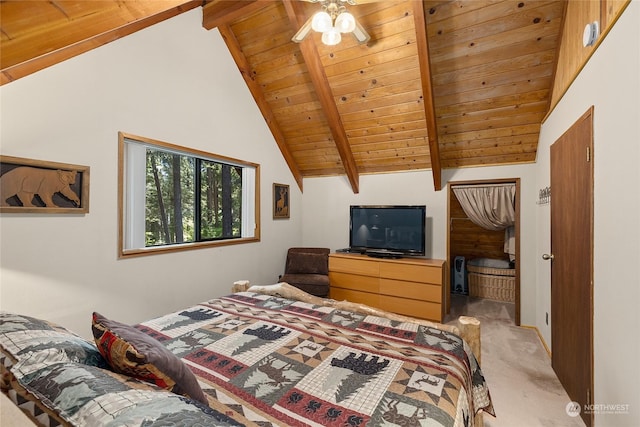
(387, 231)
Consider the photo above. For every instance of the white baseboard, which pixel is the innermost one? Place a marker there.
(544, 344)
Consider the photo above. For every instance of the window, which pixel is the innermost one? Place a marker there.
(173, 198)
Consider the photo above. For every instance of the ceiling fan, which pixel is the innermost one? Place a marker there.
(332, 21)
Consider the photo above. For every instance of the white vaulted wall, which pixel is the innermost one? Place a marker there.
(610, 82)
(174, 82)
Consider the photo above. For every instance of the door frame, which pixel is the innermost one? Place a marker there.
(515, 181)
(588, 418)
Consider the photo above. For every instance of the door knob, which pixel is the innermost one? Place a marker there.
(547, 257)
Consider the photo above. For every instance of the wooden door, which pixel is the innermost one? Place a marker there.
(572, 263)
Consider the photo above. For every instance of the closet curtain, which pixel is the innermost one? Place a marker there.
(491, 207)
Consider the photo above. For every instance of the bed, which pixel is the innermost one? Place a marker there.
(491, 279)
(260, 356)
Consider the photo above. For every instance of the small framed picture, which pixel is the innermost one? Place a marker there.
(280, 201)
(36, 186)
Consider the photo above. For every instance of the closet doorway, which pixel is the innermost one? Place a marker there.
(472, 242)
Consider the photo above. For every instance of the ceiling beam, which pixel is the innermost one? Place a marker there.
(49, 48)
(427, 92)
(325, 95)
(219, 12)
(245, 69)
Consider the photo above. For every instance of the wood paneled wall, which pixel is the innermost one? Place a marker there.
(573, 55)
(470, 240)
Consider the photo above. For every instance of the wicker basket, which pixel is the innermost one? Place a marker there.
(492, 283)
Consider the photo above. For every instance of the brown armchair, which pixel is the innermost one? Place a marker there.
(308, 269)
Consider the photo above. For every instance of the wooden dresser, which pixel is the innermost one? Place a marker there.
(409, 286)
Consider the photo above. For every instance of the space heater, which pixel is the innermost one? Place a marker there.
(459, 276)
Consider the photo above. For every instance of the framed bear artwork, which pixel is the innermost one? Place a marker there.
(36, 186)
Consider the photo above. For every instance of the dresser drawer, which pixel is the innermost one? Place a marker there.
(363, 267)
(354, 281)
(413, 308)
(365, 298)
(412, 290)
(412, 273)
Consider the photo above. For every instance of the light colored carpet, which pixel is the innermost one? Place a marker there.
(524, 389)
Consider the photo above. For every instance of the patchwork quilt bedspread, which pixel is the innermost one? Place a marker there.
(265, 360)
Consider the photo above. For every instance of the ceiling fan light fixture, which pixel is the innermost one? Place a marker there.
(332, 20)
(331, 37)
(321, 22)
(345, 22)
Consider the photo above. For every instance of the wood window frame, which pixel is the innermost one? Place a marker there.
(128, 253)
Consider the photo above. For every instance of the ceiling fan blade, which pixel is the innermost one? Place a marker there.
(349, 2)
(361, 34)
(302, 32)
(357, 2)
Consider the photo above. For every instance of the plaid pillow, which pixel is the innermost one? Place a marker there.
(131, 352)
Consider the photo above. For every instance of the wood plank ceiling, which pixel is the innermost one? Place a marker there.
(441, 84)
